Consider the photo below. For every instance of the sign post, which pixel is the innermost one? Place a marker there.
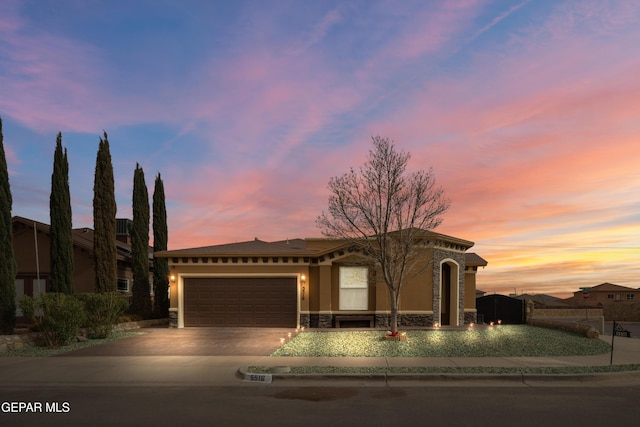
(619, 331)
(586, 296)
(613, 335)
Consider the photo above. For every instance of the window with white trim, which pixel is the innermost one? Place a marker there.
(354, 292)
(630, 297)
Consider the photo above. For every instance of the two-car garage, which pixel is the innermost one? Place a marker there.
(240, 301)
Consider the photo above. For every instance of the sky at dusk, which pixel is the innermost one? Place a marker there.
(528, 112)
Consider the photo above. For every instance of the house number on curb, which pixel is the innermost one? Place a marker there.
(258, 378)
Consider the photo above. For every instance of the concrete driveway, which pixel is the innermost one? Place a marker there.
(191, 342)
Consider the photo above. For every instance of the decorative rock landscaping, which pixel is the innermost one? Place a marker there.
(25, 338)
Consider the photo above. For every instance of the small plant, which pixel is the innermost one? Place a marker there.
(57, 316)
(102, 311)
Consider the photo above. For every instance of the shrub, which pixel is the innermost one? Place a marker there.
(102, 311)
(57, 316)
(576, 328)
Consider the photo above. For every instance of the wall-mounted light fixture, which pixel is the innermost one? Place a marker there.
(303, 280)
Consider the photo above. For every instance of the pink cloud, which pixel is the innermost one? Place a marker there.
(428, 30)
(525, 148)
(524, 143)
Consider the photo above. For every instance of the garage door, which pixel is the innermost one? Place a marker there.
(236, 301)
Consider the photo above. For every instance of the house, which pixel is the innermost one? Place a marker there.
(31, 247)
(317, 282)
(543, 300)
(602, 294)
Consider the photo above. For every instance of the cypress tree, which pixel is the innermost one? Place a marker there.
(141, 300)
(104, 221)
(61, 242)
(160, 241)
(7, 259)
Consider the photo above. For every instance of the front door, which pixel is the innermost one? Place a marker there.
(445, 302)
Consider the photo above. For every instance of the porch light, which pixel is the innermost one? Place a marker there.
(303, 279)
(172, 278)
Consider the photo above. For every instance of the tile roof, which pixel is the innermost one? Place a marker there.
(473, 259)
(251, 247)
(609, 287)
(298, 247)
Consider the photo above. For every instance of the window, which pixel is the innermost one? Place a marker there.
(39, 287)
(123, 285)
(618, 297)
(630, 297)
(354, 292)
(609, 296)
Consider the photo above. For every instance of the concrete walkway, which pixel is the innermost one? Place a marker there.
(78, 368)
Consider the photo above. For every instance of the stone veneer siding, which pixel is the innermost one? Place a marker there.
(305, 320)
(439, 255)
(470, 317)
(173, 317)
(319, 321)
(408, 319)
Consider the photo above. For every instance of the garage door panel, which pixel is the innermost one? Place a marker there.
(262, 302)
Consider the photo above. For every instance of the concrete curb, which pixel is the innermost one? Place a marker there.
(522, 378)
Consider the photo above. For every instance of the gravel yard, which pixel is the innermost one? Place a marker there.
(497, 341)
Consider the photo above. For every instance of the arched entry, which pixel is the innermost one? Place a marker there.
(449, 295)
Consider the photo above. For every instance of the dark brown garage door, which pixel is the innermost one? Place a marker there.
(237, 301)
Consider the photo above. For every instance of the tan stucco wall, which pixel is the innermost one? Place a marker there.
(469, 290)
(416, 293)
(322, 286)
(561, 312)
(314, 289)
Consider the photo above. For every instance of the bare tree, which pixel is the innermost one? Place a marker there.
(383, 210)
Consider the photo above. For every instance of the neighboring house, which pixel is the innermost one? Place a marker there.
(543, 301)
(33, 267)
(317, 283)
(603, 294)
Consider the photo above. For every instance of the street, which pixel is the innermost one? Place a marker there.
(326, 403)
(148, 380)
